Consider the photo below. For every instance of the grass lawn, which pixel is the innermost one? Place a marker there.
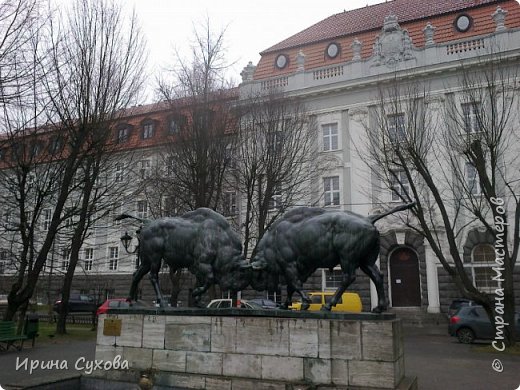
(76, 332)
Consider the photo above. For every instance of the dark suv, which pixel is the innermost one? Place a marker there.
(471, 322)
(456, 304)
(78, 303)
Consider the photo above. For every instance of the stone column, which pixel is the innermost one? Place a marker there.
(432, 280)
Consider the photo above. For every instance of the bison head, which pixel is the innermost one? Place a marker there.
(236, 276)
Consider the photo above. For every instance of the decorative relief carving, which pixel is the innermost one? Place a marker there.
(434, 102)
(499, 16)
(393, 44)
(358, 114)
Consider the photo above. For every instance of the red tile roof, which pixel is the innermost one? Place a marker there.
(372, 17)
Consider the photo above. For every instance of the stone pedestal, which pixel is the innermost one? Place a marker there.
(265, 349)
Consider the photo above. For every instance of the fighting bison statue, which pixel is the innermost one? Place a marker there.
(305, 239)
(201, 241)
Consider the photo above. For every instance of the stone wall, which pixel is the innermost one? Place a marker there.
(236, 351)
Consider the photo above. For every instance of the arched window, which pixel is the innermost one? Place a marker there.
(482, 261)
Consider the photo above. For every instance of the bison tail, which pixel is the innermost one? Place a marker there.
(375, 217)
(125, 216)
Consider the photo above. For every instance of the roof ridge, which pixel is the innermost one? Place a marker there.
(371, 17)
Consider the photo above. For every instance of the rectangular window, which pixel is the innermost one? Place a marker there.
(89, 258)
(333, 279)
(142, 209)
(396, 128)
(28, 217)
(6, 219)
(123, 135)
(173, 127)
(65, 253)
(230, 157)
(472, 180)
(170, 166)
(47, 215)
(144, 167)
(331, 191)
(119, 172)
(148, 130)
(276, 200)
(399, 185)
(229, 203)
(275, 141)
(56, 145)
(330, 137)
(4, 254)
(470, 117)
(113, 257)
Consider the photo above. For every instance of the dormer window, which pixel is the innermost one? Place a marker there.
(123, 134)
(148, 129)
(173, 126)
(36, 149)
(176, 124)
(55, 145)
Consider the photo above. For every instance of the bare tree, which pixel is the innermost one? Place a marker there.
(455, 159)
(98, 61)
(200, 125)
(96, 71)
(192, 165)
(19, 25)
(276, 160)
(26, 183)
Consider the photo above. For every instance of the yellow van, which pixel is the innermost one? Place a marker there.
(348, 302)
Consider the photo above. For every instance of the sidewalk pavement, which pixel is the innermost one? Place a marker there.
(66, 354)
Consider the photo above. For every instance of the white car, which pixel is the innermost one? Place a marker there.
(228, 303)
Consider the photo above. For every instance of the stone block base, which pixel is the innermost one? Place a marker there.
(242, 349)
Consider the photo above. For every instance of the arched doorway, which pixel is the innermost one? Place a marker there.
(404, 278)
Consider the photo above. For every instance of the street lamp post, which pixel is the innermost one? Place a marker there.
(126, 239)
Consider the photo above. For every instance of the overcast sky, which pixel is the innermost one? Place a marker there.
(251, 26)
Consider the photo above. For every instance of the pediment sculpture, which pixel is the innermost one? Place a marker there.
(393, 44)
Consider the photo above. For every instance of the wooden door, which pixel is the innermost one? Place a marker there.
(404, 278)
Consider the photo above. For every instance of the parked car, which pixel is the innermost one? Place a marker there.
(78, 303)
(470, 323)
(265, 303)
(119, 303)
(348, 302)
(227, 303)
(457, 303)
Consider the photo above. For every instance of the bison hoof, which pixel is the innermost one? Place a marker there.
(379, 309)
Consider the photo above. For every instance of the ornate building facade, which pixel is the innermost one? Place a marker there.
(337, 67)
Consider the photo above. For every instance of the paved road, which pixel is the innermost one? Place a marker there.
(439, 362)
